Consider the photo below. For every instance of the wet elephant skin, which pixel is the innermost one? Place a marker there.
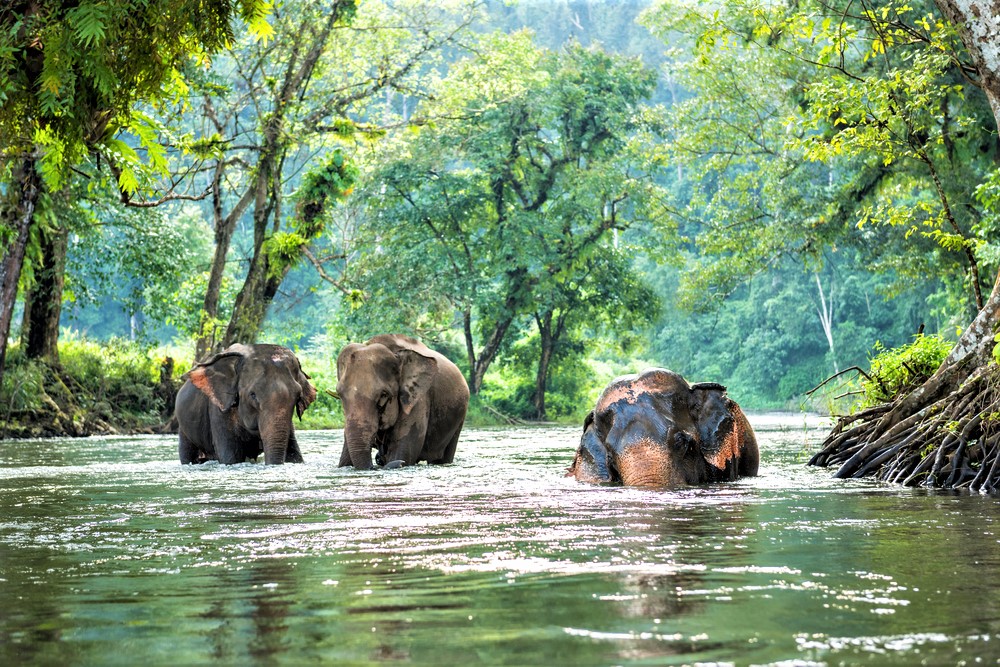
(653, 429)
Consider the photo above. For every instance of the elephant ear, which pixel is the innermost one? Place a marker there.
(416, 373)
(712, 413)
(308, 394)
(218, 377)
(591, 463)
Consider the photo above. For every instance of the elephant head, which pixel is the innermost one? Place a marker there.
(258, 386)
(377, 387)
(656, 430)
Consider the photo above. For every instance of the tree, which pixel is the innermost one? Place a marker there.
(807, 133)
(878, 99)
(275, 148)
(534, 165)
(70, 76)
(768, 345)
(941, 433)
(604, 295)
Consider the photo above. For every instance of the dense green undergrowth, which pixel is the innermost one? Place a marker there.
(901, 369)
(105, 387)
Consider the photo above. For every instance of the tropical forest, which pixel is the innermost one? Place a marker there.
(690, 310)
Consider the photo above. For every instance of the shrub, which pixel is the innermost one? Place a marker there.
(899, 369)
(23, 384)
(117, 372)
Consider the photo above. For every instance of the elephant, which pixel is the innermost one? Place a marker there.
(402, 399)
(653, 429)
(239, 402)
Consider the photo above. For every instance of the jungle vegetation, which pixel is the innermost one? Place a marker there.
(765, 195)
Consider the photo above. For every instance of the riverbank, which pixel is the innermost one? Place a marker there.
(91, 390)
(118, 389)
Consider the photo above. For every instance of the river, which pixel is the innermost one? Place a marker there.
(112, 553)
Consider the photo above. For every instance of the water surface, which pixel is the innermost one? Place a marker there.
(113, 553)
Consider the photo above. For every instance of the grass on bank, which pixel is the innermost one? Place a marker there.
(105, 387)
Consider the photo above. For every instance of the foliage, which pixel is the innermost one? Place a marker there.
(320, 364)
(117, 377)
(767, 344)
(812, 128)
(71, 75)
(23, 385)
(898, 370)
(134, 257)
(331, 180)
(98, 387)
(506, 211)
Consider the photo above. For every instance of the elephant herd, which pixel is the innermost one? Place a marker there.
(408, 403)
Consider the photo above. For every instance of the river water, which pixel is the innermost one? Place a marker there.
(112, 553)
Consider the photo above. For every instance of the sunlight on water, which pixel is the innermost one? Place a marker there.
(113, 553)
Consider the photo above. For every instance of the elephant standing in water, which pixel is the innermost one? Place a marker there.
(401, 398)
(656, 430)
(239, 403)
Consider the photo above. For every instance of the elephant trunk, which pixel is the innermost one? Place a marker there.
(274, 439)
(359, 437)
(650, 464)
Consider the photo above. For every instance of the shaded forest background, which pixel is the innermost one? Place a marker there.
(551, 193)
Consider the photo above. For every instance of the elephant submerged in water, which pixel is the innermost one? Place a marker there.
(654, 429)
(402, 399)
(239, 403)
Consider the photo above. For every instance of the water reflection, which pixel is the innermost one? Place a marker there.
(498, 559)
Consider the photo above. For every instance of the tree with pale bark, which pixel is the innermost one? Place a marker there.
(279, 125)
(885, 106)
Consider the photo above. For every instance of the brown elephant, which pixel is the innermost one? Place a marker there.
(654, 429)
(239, 403)
(401, 398)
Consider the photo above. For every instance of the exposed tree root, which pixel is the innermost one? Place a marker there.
(943, 434)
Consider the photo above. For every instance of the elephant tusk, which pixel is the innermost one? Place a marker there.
(333, 393)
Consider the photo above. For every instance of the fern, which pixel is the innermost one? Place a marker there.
(89, 22)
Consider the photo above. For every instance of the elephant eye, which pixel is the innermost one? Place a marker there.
(682, 441)
(253, 396)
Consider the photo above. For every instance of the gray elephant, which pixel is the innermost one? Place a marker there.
(239, 403)
(401, 398)
(654, 429)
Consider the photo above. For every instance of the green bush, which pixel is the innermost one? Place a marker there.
(115, 379)
(896, 370)
(23, 384)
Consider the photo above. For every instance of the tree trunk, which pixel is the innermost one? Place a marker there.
(259, 290)
(940, 433)
(225, 226)
(547, 344)
(260, 285)
(978, 23)
(43, 305)
(27, 186)
(488, 353)
(825, 311)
